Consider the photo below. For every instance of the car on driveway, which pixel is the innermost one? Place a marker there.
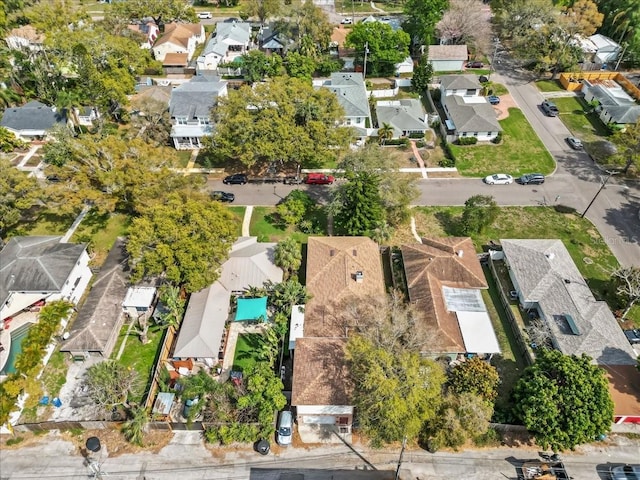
(574, 143)
(633, 336)
(475, 65)
(346, 21)
(235, 179)
(549, 108)
(221, 196)
(498, 179)
(493, 99)
(285, 427)
(531, 179)
(319, 179)
(205, 15)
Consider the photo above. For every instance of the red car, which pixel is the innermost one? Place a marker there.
(319, 179)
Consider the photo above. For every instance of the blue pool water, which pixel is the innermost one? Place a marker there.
(17, 336)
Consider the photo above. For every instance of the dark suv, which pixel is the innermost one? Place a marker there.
(549, 108)
(235, 179)
(531, 179)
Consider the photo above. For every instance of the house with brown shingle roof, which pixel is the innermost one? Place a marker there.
(340, 271)
(444, 280)
(179, 38)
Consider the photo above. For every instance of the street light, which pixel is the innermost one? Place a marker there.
(364, 69)
(496, 43)
(603, 183)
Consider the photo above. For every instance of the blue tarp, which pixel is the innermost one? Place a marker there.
(251, 309)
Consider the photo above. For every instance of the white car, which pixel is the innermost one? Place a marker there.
(498, 179)
(205, 15)
(346, 21)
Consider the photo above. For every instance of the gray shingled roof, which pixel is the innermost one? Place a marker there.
(98, 324)
(196, 97)
(227, 34)
(448, 52)
(456, 82)
(621, 108)
(351, 92)
(32, 116)
(408, 115)
(547, 275)
(471, 117)
(36, 264)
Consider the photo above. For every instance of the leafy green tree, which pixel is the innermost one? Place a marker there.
(385, 46)
(174, 303)
(187, 238)
(395, 393)
(563, 400)
(152, 122)
(134, 428)
(285, 120)
(263, 9)
(327, 65)
(422, 75)
(479, 212)
(628, 146)
(110, 384)
(299, 66)
(622, 23)
(294, 207)
(9, 142)
(313, 28)
(18, 193)
(284, 295)
(288, 256)
(162, 11)
(256, 65)
(474, 376)
(359, 206)
(421, 19)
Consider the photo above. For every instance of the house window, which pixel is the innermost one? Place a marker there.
(348, 121)
(464, 134)
(204, 121)
(181, 120)
(470, 92)
(357, 120)
(475, 134)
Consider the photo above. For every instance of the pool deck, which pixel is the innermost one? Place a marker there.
(5, 334)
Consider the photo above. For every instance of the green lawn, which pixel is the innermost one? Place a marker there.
(183, 157)
(54, 375)
(45, 222)
(583, 241)
(549, 86)
(588, 127)
(101, 232)
(247, 347)
(266, 229)
(238, 213)
(521, 151)
(498, 89)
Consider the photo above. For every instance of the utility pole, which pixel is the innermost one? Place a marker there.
(621, 57)
(404, 444)
(364, 69)
(602, 185)
(496, 43)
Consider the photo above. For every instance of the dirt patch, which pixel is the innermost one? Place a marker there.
(154, 441)
(444, 174)
(502, 109)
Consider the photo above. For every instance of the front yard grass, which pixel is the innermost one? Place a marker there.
(550, 86)
(586, 126)
(43, 222)
(264, 226)
(581, 238)
(183, 157)
(238, 213)
(101, 232)
(521, 151)
(246, 348)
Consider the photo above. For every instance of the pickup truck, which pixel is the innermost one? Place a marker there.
(542, 470)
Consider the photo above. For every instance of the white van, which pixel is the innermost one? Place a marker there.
(205, 15)
(285, 427)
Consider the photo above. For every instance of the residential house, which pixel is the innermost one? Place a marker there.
(85, 116)
(340, 271)
(230, 41)
(139, 301)
(447, 58)
(406, 116)
(548, 284)
(33, 120)
(148, 30)
(351, 92)
(599, 49)
(337, 48)
(405, 66)
(33, 269)
(615, 105)
(175, 60)
(445, 281)
(468, 113)
(271, 39)
(179, 38)
(202, 333)
(95, 330)
(26, 37)
(190, 109)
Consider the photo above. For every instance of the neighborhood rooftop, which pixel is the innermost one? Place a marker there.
(32, 116)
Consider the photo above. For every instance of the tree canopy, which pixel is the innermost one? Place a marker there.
(285, 120)
(162, 11)
(385, 46)
(465, 23)
(110, 383)
(563, 400)
(18, 193)
(479, 212)
(421, 19)
(187, 238)
(627, 143)
(358, 204)
(474, 376)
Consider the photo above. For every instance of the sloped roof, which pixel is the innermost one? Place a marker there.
(351, 92)
(200, 334)
(179, 34)
(98, 323)
(458, 82)
(339, 35)
(27, 32)
(155, 92)
(196, 97)
(448, 52)
(234, 33)
(618, 104)
(332, 263)
(472, 114)
(33, 116)
(547, 276)
(270, 37)
(320, 373)
(36, 264)
(433, 265)
(250, 264)
(180, 59)
(624, 387)
(404, 115)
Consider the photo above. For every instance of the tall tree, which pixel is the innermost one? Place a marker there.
(627, 282)
(110, 383)
(465, 23)
(187, 238)
(288, 256)
(563, 400)
(256, 65)
(384, 47)
(479, 212)
(162, 11)
(174, 304)
(422, 74)
(314, 29)
(395, 392)
(134, 428)
(18, 193)
(358, 204)
(385, 132)
(583, 17)
(299, 66)
(421, 19)
(627, 143)
(474, 376)
(263, 9)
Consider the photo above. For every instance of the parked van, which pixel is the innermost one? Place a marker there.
(285, 428)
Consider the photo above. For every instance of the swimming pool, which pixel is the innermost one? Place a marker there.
(17, 336)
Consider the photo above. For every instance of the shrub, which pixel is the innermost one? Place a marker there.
(435, 95)
(14, 441)
(498, 138)
(294, 207)
(416, 135)
(564, 209)
(467, 141)
(447, 163)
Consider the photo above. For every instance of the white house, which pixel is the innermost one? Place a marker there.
(230, 41)
(406, 116)
(24, 37)
(405, 66)
(468, 113)
(615, 105)
(600, 49)
(447, 58)
(179, 38)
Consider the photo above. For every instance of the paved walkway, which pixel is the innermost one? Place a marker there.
(246, 221)
(416, 153)
(75, 224)
(192, 162)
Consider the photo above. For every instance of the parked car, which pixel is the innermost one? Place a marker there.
(346, 21)
(626, 472)
(319, 179)
(574, 143)
(633, 336)
(285, 427)
(499, 179)
(475, 65)
(549, 108)
(223, 196)
(493, 99)
(531, 179)
(205, 15)
(235, 179)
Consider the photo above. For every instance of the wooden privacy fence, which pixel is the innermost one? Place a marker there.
(169, 335)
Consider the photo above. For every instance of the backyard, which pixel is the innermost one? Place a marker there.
(246, 348)
(265, 226)
(521, 151)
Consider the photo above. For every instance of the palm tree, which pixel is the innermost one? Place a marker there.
(288, 256)
(385, 133)
(173, 302)
(134, 428)
(69, 101)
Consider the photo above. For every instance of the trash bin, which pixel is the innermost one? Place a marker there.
(187, 406)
